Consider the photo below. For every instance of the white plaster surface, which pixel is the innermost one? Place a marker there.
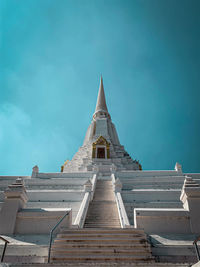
(162, 220)
(26, 248)
(41, 221)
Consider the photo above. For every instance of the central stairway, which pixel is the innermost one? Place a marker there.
(102, 240)
(102, 212)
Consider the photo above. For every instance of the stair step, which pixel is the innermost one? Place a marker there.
(89, 257)
(108, 227)
(100, 238)
(101, 224)
(105, 251)
(97, 230)
(122, 235)
(101, 246)
(104, 264)
(97, 241)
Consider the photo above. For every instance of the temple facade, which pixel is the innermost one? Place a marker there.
(104, 197)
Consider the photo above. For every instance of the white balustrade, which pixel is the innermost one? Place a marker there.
(80, 218)
(124, 221)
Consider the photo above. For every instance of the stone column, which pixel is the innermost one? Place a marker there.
(190, 196)
(15, 199)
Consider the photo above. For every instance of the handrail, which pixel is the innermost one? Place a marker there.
(4, 248)
(122, 212)
(124, 221)
(113, 178)
(51, 234)
(196, 247)
(81, 215)
(94, 182)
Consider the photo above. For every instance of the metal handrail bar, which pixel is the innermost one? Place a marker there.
(196, 247)
(4, 248)
(51, 235)
(197, 239)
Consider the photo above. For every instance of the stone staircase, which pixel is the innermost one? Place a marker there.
(102, 211)
(101, 245)
(102, 240)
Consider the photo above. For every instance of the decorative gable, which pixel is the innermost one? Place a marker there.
(101, 141)
(101, 148)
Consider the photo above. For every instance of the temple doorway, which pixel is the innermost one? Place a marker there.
(101, 152)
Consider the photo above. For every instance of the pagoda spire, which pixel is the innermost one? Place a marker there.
(101, 100)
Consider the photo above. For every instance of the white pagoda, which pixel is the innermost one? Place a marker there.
(101, 148)
(106, 209)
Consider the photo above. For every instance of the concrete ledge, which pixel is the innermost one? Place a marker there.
(162, 220)
(132, 174)
(65, 175)
(173, 247)
(149, 195)
(55, 195)
(7, 177)
(196, 264)
(41, 221)
(26, 248)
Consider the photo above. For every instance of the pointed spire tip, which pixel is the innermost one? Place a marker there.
(101, 100)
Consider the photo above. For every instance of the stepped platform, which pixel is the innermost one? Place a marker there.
(169, 250)
(101, 245)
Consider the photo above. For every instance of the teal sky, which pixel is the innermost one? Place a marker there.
(51, 56)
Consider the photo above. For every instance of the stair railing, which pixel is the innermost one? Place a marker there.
(124, 221)
(94, 182)
(196, 247)
(51, 234)
(122, 212)
(81, 215)
(4, 248)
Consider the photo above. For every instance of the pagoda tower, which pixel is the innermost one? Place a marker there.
(101, 147)
(102, 207)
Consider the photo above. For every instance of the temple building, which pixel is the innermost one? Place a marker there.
(101, 208)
